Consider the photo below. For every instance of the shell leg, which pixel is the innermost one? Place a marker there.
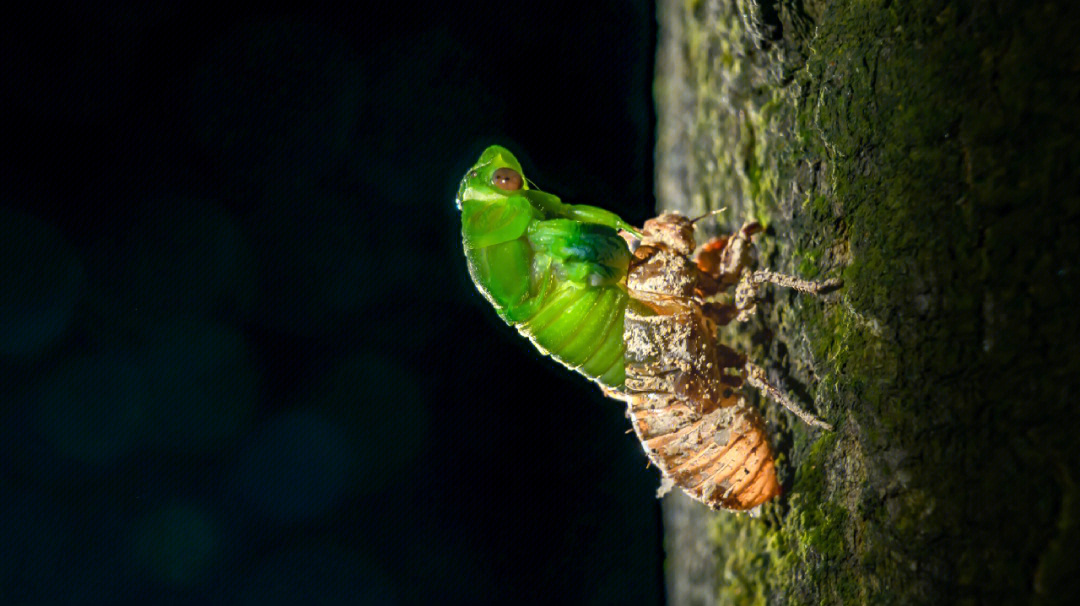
(725, 259)
(745, 291)
(755, 376)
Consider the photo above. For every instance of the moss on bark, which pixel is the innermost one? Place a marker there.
(928, 155)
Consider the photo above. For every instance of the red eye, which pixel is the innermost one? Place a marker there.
(506, 178)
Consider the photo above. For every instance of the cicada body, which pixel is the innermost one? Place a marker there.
(554, 271)
(640, 325)
(682, 386)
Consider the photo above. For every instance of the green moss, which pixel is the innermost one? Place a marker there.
(744, 560)
(809, 263)
(810, 476)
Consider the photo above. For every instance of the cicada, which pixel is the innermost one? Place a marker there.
(639, 324)
(554, 271)
(682, 385)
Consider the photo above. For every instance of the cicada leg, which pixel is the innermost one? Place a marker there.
(746, 303)
(724, 262)
(724, 259)
(755, 376)
(745, 297)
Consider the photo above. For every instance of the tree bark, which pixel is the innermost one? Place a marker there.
(928, 156)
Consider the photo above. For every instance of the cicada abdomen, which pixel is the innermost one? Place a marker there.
(693, 423)
(581, 327)
(682, 385)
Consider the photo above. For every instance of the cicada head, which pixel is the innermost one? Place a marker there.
(495, 175)
(671, 230)
(662, 266)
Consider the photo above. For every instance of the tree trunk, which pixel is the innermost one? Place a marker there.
(928, 156)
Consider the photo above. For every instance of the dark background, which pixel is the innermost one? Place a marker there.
(240, 354)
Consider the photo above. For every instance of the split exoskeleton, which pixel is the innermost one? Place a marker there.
(682, 385)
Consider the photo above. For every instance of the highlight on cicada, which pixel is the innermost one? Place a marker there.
(682, 385)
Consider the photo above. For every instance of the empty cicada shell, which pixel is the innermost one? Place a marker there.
(682, 386)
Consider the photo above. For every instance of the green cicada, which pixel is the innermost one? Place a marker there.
(555, 271)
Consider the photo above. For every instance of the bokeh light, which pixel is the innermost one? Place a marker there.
(294, 467)
(93, 409)
(178, 546)
(186, 256)
(201, 384)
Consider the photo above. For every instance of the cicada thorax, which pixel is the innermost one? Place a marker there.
(693, 422)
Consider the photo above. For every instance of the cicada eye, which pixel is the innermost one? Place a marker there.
(507, 179)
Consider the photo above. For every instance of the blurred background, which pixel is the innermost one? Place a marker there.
(241, 358)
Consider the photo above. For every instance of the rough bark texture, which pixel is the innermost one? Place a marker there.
(927, 155)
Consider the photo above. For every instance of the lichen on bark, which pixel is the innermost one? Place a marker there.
(927, 155)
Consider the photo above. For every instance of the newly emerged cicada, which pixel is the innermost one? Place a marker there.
(682, 385)
(554, 271)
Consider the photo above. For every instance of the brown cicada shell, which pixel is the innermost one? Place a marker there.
(682, 386)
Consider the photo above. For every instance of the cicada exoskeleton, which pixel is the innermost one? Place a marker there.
(682, 385)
